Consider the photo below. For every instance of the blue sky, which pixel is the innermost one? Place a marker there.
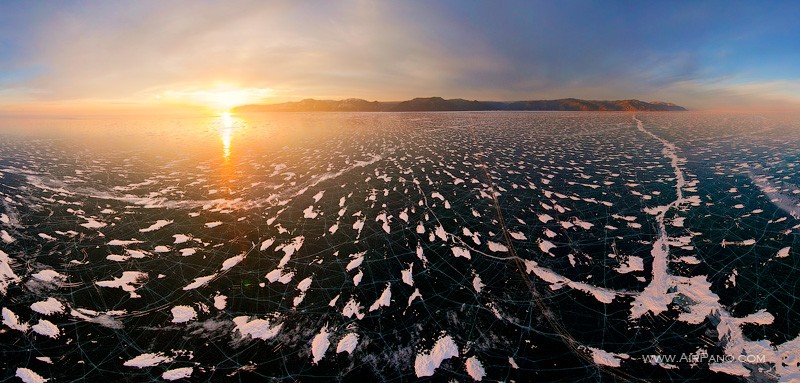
(704, 55)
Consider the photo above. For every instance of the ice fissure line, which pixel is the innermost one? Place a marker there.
(654, 297)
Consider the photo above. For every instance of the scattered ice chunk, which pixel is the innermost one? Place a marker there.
(214, 224)
(46, 328)
(384, 299)
(477, 284)
(497, 247)
(519, 236)
(460, 252)
(545, 246)
(12, 321)
(256, 328)
(605, 358)
(220, 301)
(356, 261)
(120, 242)
(475, 369)
(426, 363)
(512, 362)
(148, 360)
(232, 261)
(157, 225)
(91, 223)
(7, 275)
(353, 308)
(783, 253)
(416, 294)
(127, 282)
(348, 343)
(266, 244)
(182, 314)
(48, 307)
(199, 282)
(357, 277)
(310, 213)
(177, 373)
(181, 238)
(319, 345)
(7, 238)
(408, 275)
(28, 376)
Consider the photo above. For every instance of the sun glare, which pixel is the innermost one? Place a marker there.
(220, 99)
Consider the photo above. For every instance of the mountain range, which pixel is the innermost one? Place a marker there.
(438, 104)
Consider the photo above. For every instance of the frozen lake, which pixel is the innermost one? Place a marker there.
(470, 246)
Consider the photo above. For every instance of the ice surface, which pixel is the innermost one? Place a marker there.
(480, 246)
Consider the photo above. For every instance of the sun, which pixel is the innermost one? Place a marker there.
(220, 99)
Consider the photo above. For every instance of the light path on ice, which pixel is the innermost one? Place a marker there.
(182, 314)
(348, 343)
(48, 307)
(28, 376)
(157, 225)
(319, 345)
(177, 373)
(46, 328)
(147, 360)
(426, 364)
(256, 328)
(384, 300)
(475, 369)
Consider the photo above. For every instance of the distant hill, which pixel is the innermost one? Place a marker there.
(438, 104)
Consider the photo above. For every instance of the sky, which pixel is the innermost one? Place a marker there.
(116, 56)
